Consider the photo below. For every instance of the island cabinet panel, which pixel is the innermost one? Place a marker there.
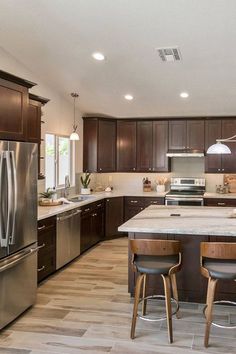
(13, 111)
(126, 146)
(114, 216)
(144, 146)
(160, 162)
(224, 289)
(92, 224)
(47, 247)
(191, 284)
(221, 202)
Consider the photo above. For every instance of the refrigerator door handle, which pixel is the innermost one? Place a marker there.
(14, 197)
(17, 258)
(5, 240)
(1, 206)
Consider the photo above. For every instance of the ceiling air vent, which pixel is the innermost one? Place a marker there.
(169, 54)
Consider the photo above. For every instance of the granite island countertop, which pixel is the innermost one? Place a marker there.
(215, 221)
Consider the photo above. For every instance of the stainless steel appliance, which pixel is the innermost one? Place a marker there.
(68, 237)
(186, 191)
(18, 228)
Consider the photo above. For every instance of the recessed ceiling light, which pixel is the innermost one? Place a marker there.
(129, 97)
(184, 95)
(98, 56)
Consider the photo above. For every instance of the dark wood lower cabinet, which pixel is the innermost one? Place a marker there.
(221, 202)
(192, 286)
(133, 205)
(47, 250)
(114, 216)
(92, 225)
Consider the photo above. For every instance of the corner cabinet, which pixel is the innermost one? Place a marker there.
(126, 146)
(13, 107)
(34, 125)
(99, 150)
(217, 129)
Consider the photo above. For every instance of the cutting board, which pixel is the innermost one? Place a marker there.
(231, 181)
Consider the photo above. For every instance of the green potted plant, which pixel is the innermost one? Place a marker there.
(48, 195)
(85, 180)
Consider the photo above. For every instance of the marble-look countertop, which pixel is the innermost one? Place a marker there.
(220, 195)
(47, 211)
(214, 221)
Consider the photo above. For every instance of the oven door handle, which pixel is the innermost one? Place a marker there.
(185, 199)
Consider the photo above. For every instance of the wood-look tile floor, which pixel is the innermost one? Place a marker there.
(85, 308)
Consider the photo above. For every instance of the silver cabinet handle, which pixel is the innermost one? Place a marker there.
(41, 246)
(87, 209)
(41, 227)
(223, 169)
(222, 204)
(108, 200)
(133, 201)
(40, 269)
(99, 205)
(95, 214)
(134, 169)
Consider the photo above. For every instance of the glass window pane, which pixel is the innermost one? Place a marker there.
(63, 159)
(50, 160)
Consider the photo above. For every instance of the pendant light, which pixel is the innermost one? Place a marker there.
(219, 148)
(74, 135)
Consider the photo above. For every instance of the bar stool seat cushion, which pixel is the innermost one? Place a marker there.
(155, 264)
(221, 269)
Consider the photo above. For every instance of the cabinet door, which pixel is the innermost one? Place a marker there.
(13, 112)
(114, 216)
(160, 162)
(90, 145)
(97, 226)
(228, 162)
(106, 146)
(126, 146)
(195, 134)
(86, 232)
(34, 122)
(212, 132)
(144, 146)
(177, 134)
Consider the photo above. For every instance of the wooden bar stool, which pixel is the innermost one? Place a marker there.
(155, 257)
(218, 262)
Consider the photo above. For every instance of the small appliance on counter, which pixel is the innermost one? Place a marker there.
(147, 185)
(186, 191)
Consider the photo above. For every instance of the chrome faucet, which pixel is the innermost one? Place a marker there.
(67, 186)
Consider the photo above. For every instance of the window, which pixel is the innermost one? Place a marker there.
(59, 160)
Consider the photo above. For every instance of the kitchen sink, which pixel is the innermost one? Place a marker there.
(81, 198)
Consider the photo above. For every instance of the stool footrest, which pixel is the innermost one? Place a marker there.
(156, 319)
(226, 302)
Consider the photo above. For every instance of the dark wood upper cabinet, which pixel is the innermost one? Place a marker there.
(228, 162)
(34, 125)
(177, 134)
(186, 134)
(217, 129)
(126, 145)
(195, 134)
(144, 146)
(13, 107)
(160, 162)
(99, 149)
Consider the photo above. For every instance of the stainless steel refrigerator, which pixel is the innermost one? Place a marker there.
(18, 228)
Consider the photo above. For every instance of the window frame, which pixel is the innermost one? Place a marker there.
(56, 160)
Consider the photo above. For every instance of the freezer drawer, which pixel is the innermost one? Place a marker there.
(18, 284)
(68, 237)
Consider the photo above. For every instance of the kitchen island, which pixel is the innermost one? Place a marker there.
(190, 225)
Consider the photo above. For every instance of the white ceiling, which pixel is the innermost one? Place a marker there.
(55, 39)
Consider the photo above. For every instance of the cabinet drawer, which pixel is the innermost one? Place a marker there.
(221, 202)
(154, 201)
(46, 265)
(46, 223)
(135, 201)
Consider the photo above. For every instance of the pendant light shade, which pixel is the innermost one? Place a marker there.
(218, 148)
(74, 135)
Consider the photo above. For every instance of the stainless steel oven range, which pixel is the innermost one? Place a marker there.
(186, 191)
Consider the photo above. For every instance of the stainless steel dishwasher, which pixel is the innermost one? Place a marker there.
(68, 237)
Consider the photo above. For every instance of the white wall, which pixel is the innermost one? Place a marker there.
(58, 113)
